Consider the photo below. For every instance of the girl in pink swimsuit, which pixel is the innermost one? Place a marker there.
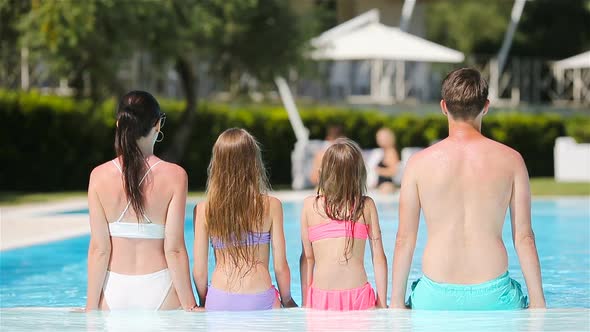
(336, 224)
(241, 224)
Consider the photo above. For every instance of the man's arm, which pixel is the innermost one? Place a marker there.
(405, 242)
(523, 236)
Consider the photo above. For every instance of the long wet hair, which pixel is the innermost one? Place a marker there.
(343, 185)
(137, 113)
(236, 196)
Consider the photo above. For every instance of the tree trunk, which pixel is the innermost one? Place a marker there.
(176, 151)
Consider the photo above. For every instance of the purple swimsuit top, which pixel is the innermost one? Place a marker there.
(254, 238)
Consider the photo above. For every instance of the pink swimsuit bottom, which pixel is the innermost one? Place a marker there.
(360, 298)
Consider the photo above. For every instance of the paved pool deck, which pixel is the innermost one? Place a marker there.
(29, 224)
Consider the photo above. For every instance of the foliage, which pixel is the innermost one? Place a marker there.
(470, 26)
(96, 37)
(553, 29)
(579, 128)
(52, 143)
(548, 28)
(10, 11)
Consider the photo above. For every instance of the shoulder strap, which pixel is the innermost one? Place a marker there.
(140, 182)
(148, 171)
(117, 165)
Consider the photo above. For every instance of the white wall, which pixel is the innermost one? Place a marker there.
(572, 160)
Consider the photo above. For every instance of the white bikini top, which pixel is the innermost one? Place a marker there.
(136, 230)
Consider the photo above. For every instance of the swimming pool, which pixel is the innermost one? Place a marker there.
(54, 274)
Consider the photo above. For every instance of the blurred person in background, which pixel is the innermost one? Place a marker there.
(389, 165)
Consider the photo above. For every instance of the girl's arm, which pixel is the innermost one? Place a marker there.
(174, 246)
(377, 253)
(99, 250)
(307, 260)
(201, 252)
(281, 267)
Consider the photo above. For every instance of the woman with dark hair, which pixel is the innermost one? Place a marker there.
(137, 258)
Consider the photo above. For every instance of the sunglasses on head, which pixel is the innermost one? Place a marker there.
(162, 119)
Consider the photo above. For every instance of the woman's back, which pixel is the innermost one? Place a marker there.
(132, 255)
(137, 256)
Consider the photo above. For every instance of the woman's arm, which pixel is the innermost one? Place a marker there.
(377, 253)
(405, 241)
(174, 246)
(523, 236)
(281, 267)
(99, 250)
(201, 252)
(307, 260)
(392, 162)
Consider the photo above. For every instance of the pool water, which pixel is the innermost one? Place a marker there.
(54, 274)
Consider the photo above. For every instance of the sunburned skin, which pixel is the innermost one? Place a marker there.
(464, 185)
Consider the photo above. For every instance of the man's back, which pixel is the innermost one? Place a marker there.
(465, 185)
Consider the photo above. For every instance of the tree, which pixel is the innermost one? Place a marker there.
(554, 29)
(92, 39)
(548, 28)
(10, 11)
(470, 26)
(260, 37)
(78, 38)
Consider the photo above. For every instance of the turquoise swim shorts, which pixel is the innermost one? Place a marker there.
(502, 293)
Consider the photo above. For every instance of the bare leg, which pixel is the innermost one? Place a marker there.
(171, 302)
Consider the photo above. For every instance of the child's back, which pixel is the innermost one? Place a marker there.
(334, 267)
(335, 227)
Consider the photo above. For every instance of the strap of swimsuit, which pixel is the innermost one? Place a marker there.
(140, 182)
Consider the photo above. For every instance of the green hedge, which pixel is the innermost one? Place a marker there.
(50, 143)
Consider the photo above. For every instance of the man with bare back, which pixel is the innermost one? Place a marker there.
(464, 185)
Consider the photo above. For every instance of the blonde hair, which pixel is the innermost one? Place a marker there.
(343, 184)
(236, 191)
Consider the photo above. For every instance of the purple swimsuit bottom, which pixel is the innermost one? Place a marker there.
(218, 300)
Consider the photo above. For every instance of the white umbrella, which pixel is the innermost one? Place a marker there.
(577, 61)
(376, 41)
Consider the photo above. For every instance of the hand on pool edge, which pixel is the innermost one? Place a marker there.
(400, 307)
(289, 304)
(196, 308)
(540, 305)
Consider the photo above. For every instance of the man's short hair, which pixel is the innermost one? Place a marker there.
(465, 93)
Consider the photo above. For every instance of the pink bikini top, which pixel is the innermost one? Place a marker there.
(337, 229)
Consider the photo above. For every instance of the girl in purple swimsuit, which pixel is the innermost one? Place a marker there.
(241, 223)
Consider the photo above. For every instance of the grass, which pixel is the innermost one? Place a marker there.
(548, 187)
(16, 198)
(539, 187)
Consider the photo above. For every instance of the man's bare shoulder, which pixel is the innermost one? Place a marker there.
(425, 155)
(507, 153)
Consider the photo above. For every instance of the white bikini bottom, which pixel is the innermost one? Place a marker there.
(144, 291)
